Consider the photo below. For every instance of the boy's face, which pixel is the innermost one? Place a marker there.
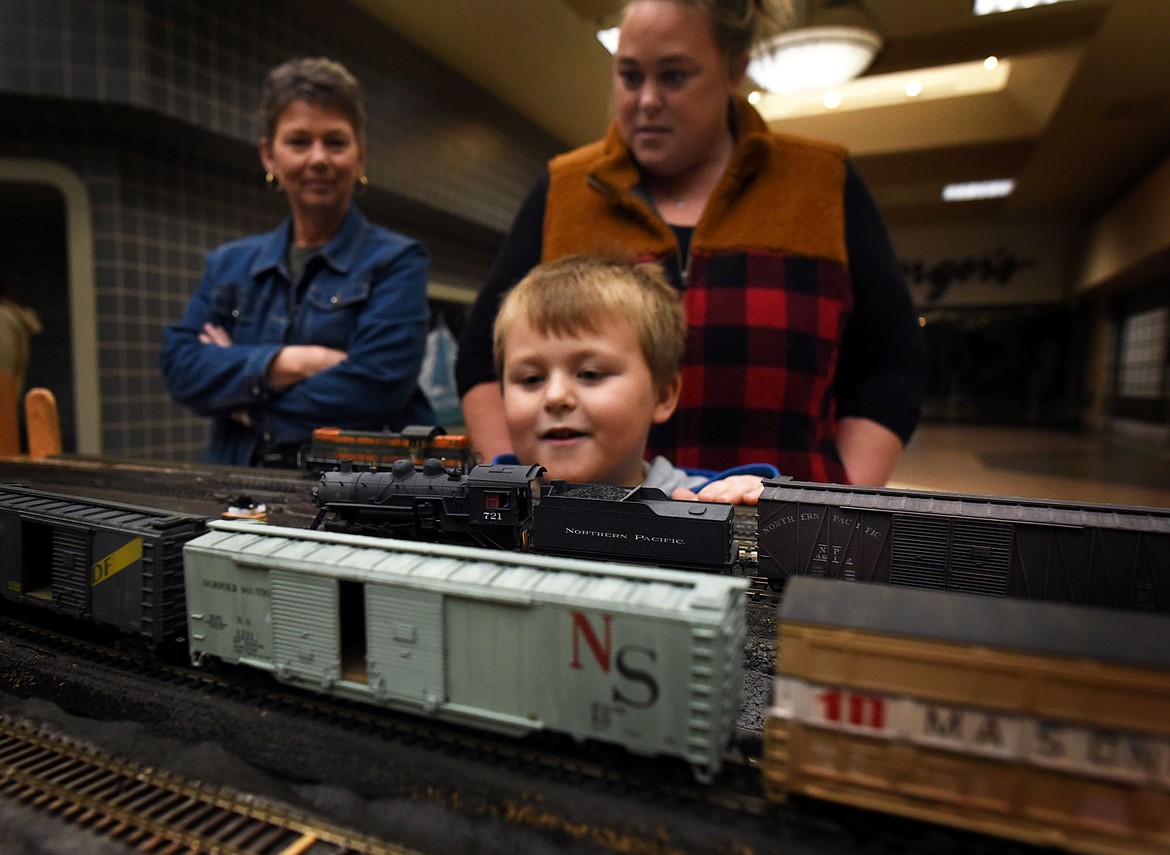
(581, 405)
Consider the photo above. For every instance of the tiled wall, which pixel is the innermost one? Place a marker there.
(153, 105)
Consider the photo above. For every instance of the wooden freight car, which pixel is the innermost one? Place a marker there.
(1044, 722)
(99, 562)
(1108, 555)
(648, 659)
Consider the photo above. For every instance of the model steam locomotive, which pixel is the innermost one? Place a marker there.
(490, 506)
(499, 505)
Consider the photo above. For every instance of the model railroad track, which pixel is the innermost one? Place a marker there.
(155, 811)
(178, 487)
(606, 767)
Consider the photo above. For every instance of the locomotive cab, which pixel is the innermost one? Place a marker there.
(500, 498)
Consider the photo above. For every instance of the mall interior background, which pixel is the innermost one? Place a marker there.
(129, 150)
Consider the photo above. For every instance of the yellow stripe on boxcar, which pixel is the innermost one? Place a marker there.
(116, 561)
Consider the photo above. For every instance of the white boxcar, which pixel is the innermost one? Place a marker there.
(647, 658)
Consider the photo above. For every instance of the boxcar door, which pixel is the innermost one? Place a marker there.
(70, 569)
(12, 574)
(45, 562)
(305, 614)
(406, 644)
(918, 558)
(980, 558)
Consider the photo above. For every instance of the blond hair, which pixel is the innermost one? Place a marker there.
(569, 295)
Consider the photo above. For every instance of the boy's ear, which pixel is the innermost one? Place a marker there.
(668, 394)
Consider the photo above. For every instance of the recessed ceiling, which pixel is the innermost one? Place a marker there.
(1083, 115)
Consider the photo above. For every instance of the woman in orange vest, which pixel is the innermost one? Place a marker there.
(803, 346)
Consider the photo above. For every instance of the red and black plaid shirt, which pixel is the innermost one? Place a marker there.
(764, 332)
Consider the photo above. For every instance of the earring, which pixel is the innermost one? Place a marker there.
(271, 181)
(363, 185)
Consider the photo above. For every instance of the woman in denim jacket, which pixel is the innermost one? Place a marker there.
(320, 322)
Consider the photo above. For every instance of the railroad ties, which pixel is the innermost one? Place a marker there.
(153, 810)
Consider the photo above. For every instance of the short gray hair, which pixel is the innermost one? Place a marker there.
(316, 80)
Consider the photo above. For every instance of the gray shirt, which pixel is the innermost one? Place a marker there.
(664, 475)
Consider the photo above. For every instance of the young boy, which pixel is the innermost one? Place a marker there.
(587, 349)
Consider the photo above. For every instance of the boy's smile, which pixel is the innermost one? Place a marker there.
(561, 435)
(581, 403)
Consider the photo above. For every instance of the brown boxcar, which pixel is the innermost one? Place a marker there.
(1043, 722)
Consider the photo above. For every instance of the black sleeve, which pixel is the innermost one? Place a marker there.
(519, 253)
(883, 362)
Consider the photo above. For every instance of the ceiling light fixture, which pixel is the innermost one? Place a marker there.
(609, 38)
(990, 7)
(972, 190)
(814, 58)
(962, 80)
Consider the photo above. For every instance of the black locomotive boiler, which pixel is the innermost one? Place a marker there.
(489, 506)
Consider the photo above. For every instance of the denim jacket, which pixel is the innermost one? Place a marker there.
(364, 294)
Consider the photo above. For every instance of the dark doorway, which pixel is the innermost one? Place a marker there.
(32, 219)
(1008, 365)
(351, 622)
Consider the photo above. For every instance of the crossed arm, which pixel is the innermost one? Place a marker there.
(293, 363)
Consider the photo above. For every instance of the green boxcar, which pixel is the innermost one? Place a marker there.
(646, 658)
